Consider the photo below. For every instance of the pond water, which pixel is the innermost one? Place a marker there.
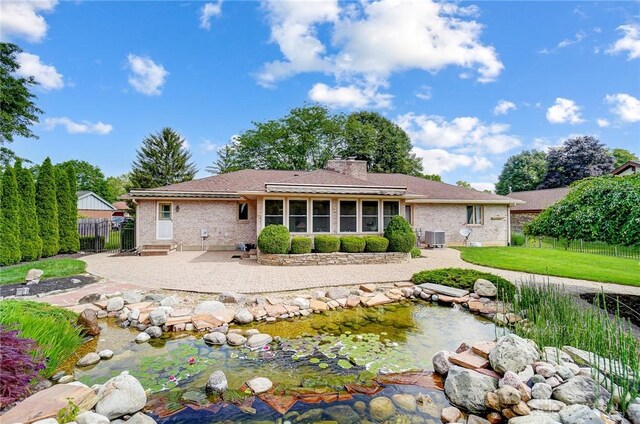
(315, 363)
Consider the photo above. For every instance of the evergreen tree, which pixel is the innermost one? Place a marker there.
(9, 220)
(74, 240)
(30, 241)
(227, 160)
(47, 209)
(67, 216)
(162, 160)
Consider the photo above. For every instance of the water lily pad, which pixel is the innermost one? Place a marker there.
(344, 364)
(323, 365)
(314, 360)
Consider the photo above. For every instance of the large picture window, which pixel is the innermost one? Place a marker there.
(348, 216)
(370, 216)
(474, 215)
(273, 212)
(389, 210)
(298, 216)
(321, 216)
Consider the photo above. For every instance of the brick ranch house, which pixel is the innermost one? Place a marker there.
(343, 198)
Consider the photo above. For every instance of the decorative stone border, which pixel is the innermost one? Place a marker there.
(337, 258)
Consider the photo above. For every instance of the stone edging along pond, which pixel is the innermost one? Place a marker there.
(336, 258)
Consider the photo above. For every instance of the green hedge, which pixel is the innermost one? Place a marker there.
(327, 244)
(88, 243)
(274, 239)
(464, 279)
(376, 244)
(400, 235)
(301, 245)
(416, 252)
(352, 244)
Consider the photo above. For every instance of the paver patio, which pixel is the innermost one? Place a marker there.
(215, 272)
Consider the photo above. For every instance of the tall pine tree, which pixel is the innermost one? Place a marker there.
(162, 160)
(30, 241)
(47, 210)
(67, 215)
(9, 219)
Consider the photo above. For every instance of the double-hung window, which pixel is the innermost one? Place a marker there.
(321, 216)
(164, 211)
(243, 211)
(474, 215)
(370, 216)
(273, 212)
(298, 216)
(389, 210)
(348, 216)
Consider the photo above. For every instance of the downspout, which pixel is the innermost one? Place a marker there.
(508, 225)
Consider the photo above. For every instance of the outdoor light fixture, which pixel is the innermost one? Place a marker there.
(177, 208)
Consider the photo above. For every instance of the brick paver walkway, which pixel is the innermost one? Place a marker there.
(214, 272)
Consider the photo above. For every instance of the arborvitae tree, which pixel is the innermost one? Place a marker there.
(73, 205)
(47, 209)
(9, 219)
(162, 160)
(30, 241)
(67, 215)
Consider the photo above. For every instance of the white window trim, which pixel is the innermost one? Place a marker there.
(310, 227)
(475, 224)
(361, 217)
(288, 216)
(158, 218)
(382, 211)
(357, 217)
(284, 211)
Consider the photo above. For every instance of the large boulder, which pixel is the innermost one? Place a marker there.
(578, 390)
(243, 316)
(512, 353)
(88, 321)
(579, 414)
(120, 395)
(485, 288)
(33, 276)
(467, 388)
(217, 383)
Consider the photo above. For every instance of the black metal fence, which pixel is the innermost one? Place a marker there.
(103, 235)
(595, 247)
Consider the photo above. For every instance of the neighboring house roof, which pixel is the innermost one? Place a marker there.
(538, 200)
(635, 167)
(88, 200)
(255, 182)
(121, 206)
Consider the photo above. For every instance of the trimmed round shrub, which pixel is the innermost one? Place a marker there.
(327, 244)
(376, 244)
(274, 239)
(352, 244)
(462, 278)
(301, 245)
(416, 252)
(400, 235)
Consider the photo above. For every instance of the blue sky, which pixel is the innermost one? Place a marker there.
(472, 83)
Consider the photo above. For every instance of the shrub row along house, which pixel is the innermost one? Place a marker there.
(222, 211)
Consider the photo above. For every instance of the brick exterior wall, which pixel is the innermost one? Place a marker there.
(337, 258)
(519, 219)
(450, 218)
(220, 217)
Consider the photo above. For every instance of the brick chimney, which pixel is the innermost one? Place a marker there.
(350, 166)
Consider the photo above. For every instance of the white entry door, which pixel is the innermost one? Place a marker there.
(164, 223)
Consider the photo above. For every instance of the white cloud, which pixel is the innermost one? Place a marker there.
(503, 107)
(23, 19)
(146, 77)
(580, 35)
(350, 96)
(84, 127)
(46, 75)
(438, 161)
(629, 43)
(482, 186)
(465, 134)
(208, 11)
(625, 106)
(424, 93)
(371, 41)
(208, 145)
(564, 111)
(602, 123)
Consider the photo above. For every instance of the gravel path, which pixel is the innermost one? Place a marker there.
(215, 272)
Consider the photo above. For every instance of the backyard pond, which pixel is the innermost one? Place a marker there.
(325, 367)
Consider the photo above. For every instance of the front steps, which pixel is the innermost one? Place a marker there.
(157, 249)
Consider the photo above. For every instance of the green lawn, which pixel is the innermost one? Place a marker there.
(51, 268)
(584, 266)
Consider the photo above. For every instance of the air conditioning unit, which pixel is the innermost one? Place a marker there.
(434, 238)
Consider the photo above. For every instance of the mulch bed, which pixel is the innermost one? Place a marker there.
(629, 305)
(49, 285)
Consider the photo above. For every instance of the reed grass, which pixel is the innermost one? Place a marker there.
(556, 318)
(52, 328)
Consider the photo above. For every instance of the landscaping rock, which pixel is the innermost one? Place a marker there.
(547, 405)
(215, 338)
(381, 408)
(441, 362)
(140, 418)
(521, 409)
(158, 316)
(154, 331)
(91, 418)
(217, 383)
(579, 414)
(105, 354)
(582, 390)
(91, 358)
(474, 419)
(450, 414)
(260, 385)
(633, 413)
(311, 416)
(235, 339)
(338, 293)
(510, 379)
(485, 288)
(445, 290)
(169, 301)
(120, 396)
(154, 297)
(88, 320)
(209, 307)
(46, 421)
(533, 419)
(33, 276)
(467, 388)
(342, 414)
(541, 391)
(546, 370)
(231, 297)
(130, 297)
(301, 303)
(90, 298)
(405, 402)
(65, 379)
(115, 304)
(512, 353)
(508, 396)
(257, 341)
(243, 316)
(142, 338)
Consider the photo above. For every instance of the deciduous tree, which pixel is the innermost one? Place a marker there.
(463, 184)
(522, 172)
(9, 219)
(622, 156)
(47, 209)
(432, 177)
(30, 241)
